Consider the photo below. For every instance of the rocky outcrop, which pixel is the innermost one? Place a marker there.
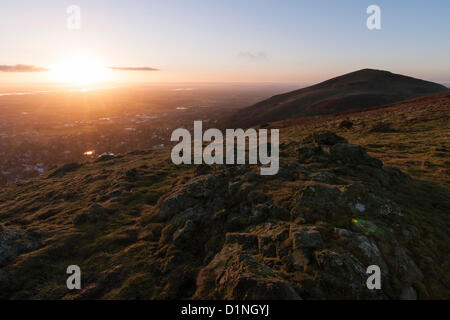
(234, 274)
(14, 242)
(225, 232)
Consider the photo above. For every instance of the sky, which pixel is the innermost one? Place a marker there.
(302, 41)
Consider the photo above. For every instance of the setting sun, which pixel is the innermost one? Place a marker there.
(81, 69)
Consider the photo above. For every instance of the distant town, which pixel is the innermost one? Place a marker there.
(46, 129)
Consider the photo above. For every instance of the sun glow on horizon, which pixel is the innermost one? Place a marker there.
(81, 69)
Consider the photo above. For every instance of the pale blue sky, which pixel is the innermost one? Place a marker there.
(220, 41)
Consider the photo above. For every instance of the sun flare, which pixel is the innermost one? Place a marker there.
(81, 69)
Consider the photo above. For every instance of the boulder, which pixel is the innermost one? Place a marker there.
(236, 275)
(315, 202)
(174, 204)
(343, 276)
(346, 124)
(363, 248)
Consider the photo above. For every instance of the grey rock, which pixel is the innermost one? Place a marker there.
(175, 204)
(402, 264)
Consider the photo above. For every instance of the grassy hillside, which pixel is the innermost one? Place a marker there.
(354, 91)
(371, 190)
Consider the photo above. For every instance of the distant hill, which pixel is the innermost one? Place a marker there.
(354, 91)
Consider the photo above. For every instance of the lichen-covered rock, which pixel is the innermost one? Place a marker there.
(364, 248)
(401, 263)
(343, 275)
(316, 202)
(175, 204)
(234, 274)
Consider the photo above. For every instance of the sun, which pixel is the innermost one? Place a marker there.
(81, 69)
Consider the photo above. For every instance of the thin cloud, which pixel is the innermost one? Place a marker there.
(21, 68)
(253, 56)
(133, 69)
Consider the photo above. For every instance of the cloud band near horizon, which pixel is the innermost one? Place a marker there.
(21, 68)
(133, 69)
(32, 68)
